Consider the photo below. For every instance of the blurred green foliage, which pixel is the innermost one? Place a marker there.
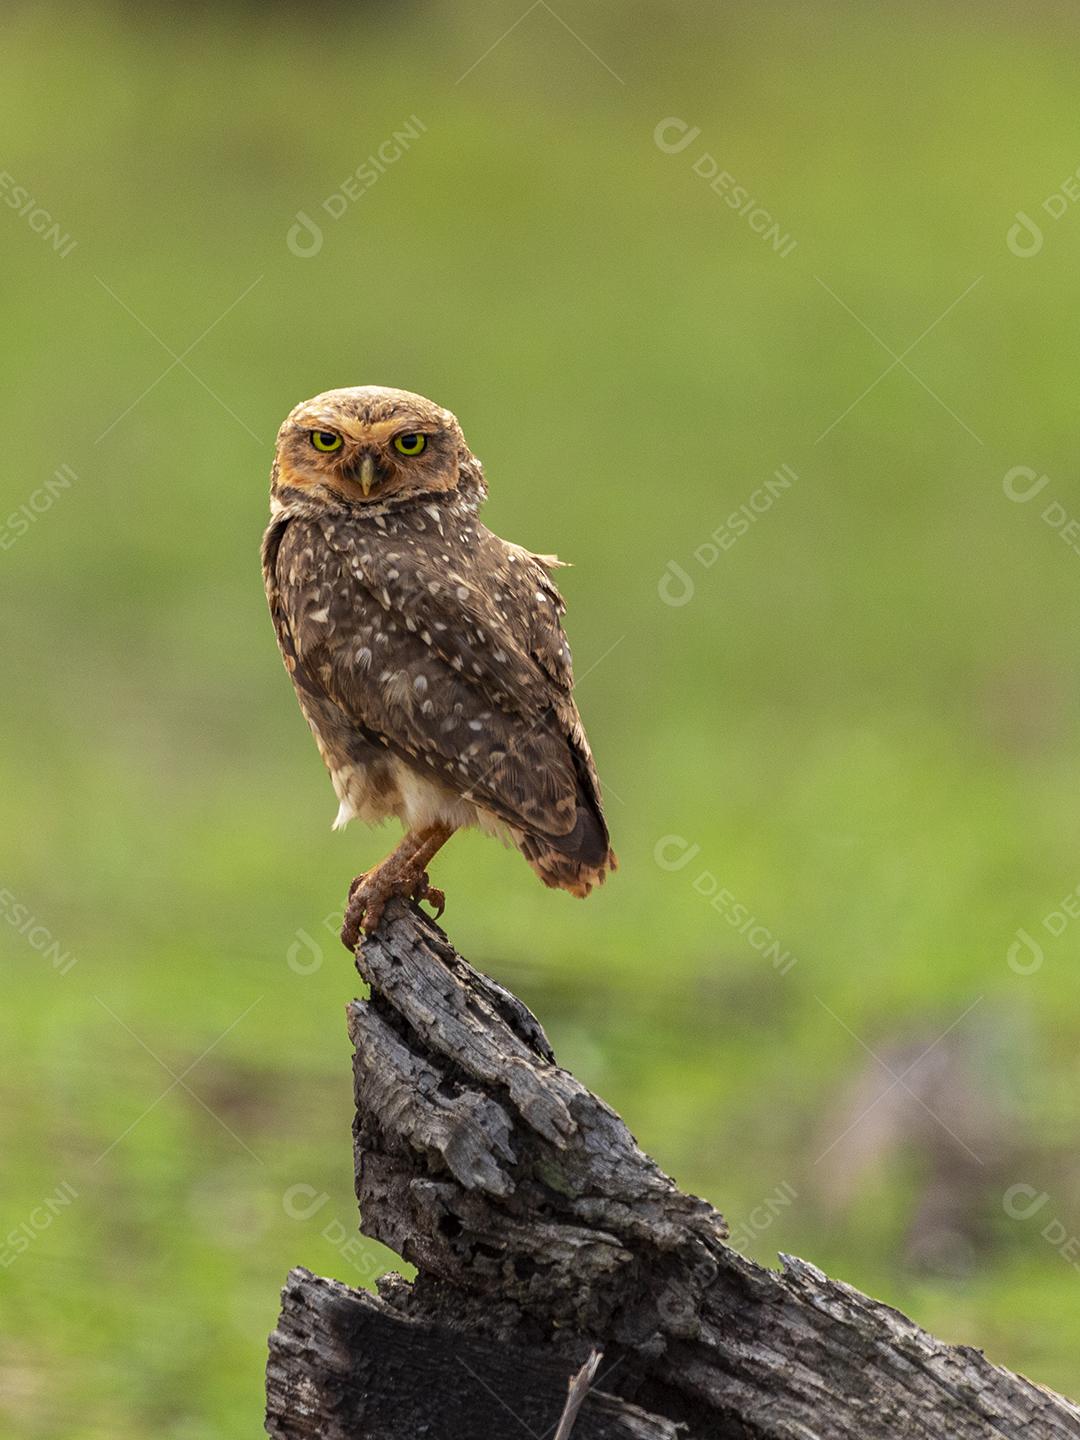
(866, 717)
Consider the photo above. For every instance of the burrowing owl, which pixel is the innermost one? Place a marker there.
(427, 654)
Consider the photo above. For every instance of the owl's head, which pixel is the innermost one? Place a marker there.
(370, 446)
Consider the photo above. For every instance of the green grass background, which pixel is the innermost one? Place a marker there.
(868, 717)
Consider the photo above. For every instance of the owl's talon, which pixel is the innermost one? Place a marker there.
(353, 918)
(363, 912)
(423, 890)
(435, 898)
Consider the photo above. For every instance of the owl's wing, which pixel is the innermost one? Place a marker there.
(458, 667)
(487, 607)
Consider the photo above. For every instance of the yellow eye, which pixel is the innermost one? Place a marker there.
(326, 441)
(409, 444)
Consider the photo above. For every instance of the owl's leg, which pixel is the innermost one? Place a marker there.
(432, 841)
(402, 873)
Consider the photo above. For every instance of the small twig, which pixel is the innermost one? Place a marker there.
(577, 1390)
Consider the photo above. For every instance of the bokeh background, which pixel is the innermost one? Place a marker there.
(852, 714)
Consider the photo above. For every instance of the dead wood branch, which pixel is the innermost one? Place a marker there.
(540, 1231)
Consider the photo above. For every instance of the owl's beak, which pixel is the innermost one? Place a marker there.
(367, 474)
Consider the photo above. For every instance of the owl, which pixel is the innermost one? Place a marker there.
(427, 654)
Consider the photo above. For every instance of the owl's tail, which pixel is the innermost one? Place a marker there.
(575, 862)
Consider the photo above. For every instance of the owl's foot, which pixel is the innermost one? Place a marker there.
(401, 874)
(368, 895)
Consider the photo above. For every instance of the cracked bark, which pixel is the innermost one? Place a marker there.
(540, 1231)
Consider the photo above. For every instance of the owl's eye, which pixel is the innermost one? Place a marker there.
(409, 444)
(326, 441)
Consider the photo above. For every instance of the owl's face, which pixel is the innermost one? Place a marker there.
(369, 445)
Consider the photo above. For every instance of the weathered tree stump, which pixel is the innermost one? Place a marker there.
(540, 1232)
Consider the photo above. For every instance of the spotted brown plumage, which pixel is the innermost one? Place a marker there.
(427, 653)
